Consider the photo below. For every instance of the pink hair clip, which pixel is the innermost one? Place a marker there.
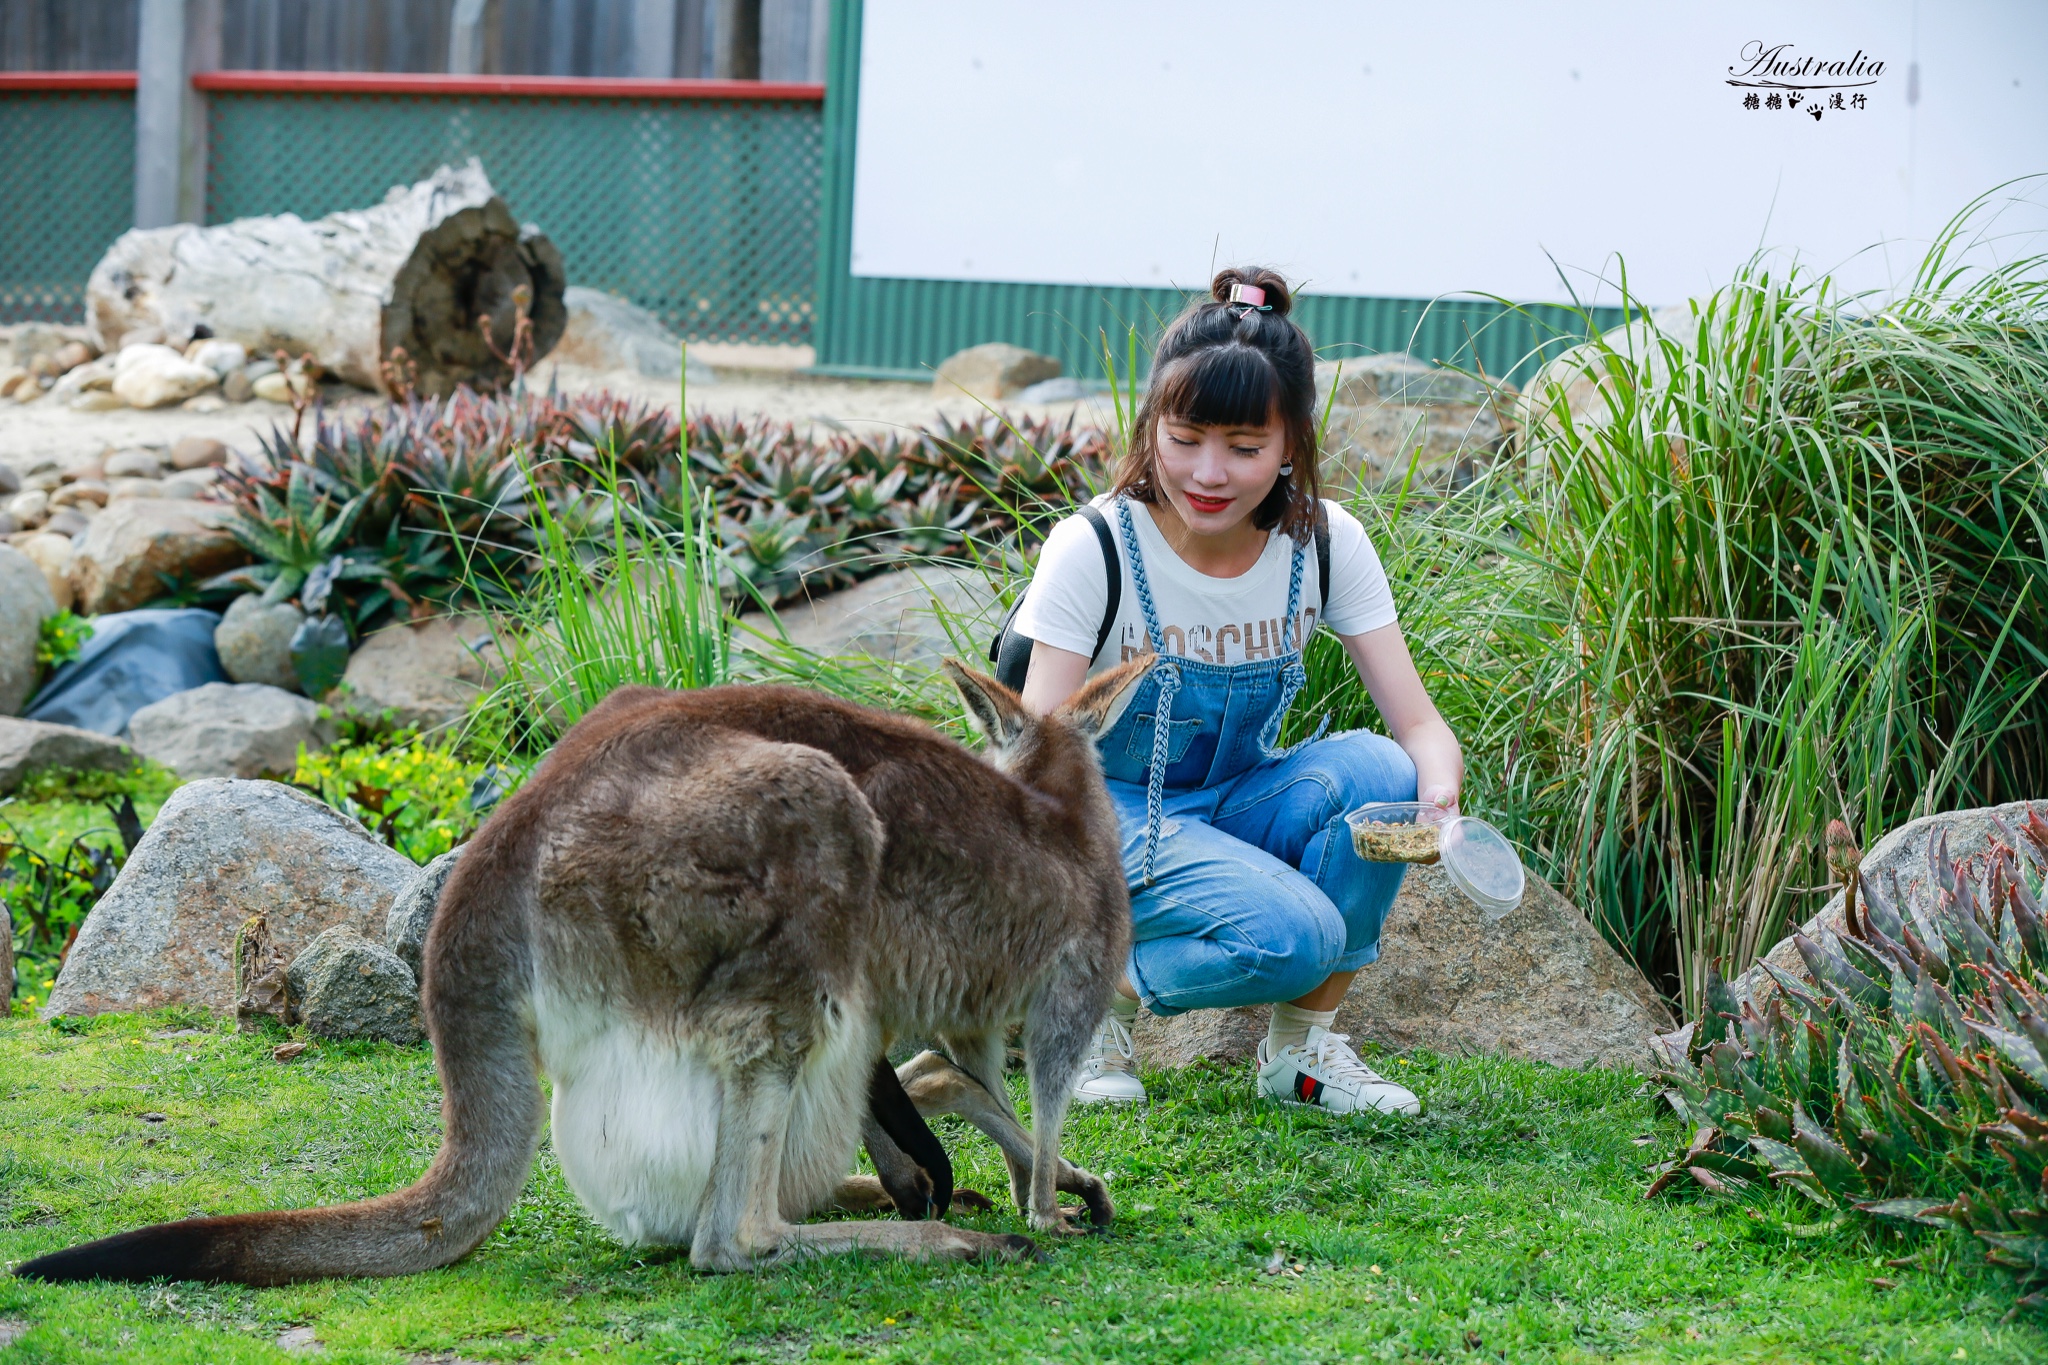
(1248, 293)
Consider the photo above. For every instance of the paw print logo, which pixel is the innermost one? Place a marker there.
(1815, 111)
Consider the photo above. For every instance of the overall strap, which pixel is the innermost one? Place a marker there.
(1168, 674)
(1294, 676)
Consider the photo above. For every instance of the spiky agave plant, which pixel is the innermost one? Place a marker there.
(1909, 1079)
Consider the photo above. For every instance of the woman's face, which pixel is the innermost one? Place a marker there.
(1216, 477)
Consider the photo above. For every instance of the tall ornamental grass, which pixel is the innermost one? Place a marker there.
(1775, 563)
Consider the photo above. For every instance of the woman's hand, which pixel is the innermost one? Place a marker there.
(1388, 672)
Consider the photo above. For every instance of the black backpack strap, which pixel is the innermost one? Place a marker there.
(1322, 559)
(1112, 571)
(1011, 652)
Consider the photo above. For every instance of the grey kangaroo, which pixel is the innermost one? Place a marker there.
(704, 918)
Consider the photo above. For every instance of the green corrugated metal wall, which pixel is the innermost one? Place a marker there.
(898, 326)
(67, 190)
(704, 211)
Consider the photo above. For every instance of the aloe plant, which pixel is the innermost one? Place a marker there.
(1909, 1079)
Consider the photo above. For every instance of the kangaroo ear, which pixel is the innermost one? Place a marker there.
(1101, 698)
(995, 710)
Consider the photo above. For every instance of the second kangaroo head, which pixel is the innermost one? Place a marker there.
(1031, 748)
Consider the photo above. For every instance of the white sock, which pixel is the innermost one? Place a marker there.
(1290, 1025)
(1124, 1008)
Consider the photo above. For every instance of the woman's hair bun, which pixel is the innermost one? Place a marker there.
(1278, 296)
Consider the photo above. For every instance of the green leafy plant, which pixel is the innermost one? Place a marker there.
(60, 637)
(1908, 1080)
(415, 796)
(52, 872)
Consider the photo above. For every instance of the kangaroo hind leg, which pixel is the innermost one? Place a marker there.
(742, 1226)
(937, 1086)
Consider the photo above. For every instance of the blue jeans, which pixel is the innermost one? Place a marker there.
(1258, 895)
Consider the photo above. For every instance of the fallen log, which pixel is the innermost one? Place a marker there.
(415, 273)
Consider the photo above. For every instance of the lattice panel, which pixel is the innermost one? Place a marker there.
(703, 211)
(67, 190)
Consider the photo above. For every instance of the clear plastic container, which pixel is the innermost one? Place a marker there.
(1478, 857)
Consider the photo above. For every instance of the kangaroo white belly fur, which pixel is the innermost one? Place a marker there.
(635, 1120)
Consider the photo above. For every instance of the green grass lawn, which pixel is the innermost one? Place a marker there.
(1506, 1224)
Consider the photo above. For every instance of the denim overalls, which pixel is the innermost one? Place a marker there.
(1245, 888)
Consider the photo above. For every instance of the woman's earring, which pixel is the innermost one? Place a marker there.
(1286, 471)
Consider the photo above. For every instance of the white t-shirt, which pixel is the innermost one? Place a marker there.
(1215, 620)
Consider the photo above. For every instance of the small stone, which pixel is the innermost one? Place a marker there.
(154, 376)
(299, 1341)
(118, 489)
(68, 521)
(220, 851)
(286, 1052)
(205, 402)
(52, 554)
(1065, 389)
(422, 675)
(222, 357)
(198, 452)
(9, 527)
(10, 480)
(272, 388)
(98, 400)
(255, 641)
(139, 543)
(10, 377)
(228, 730)
(993, 370)
(28, 745)
(606, 332)
(412, 913)
(240, 386)
(93, 491)
(182, 486)
(25, 599)
(93, 377)
(346, 986)
(29, 508)
(69, 357)
(131, 464)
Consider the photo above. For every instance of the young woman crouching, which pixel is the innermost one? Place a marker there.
(1245, 888)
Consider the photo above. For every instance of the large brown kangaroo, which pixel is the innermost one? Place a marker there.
(704, 917)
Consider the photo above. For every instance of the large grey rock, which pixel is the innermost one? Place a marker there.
(26, 745)
(1392, 412)
(420, 676)
(346, 986)
(135, 546)
(228, 730)
(25, 600)
(605, 332)
(254, 641)
(1540, 984)
(1901, 854)
(895, 617)
(405, 927)
(220, 851)
(993, 370)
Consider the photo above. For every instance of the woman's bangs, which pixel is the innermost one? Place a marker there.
(1219, 386)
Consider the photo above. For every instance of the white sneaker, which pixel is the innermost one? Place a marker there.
(1326, 1073)
(1110, 1075)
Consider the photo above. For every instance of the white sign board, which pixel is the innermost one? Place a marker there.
(1416, 150)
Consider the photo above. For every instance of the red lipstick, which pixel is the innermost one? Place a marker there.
(1202, 504)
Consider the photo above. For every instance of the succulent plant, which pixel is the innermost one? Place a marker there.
(442, 493)
(1909, 1079)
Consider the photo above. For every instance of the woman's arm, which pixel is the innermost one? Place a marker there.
(1387, 671)
(1054, 675)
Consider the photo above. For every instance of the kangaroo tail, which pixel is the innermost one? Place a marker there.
(476, 1000)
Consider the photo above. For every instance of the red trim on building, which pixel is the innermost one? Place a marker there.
(66, 80)
(569, 87)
